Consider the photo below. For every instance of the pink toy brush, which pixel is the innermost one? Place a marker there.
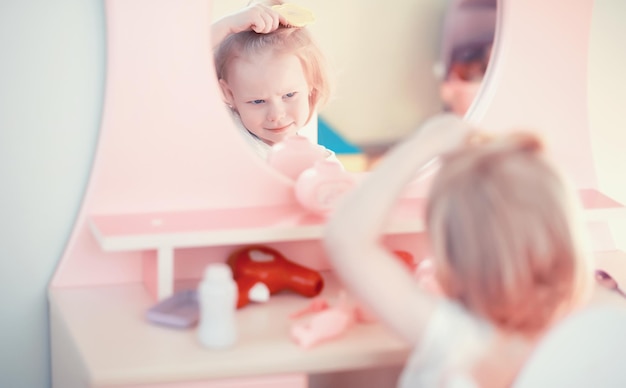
(329, 323)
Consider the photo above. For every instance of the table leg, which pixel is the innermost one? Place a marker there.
(165, 272)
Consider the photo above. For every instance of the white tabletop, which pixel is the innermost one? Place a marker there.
(117, 345)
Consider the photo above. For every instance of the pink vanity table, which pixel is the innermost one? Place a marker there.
(173, 188)
(117, 347)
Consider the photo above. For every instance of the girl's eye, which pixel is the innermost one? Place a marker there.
(292, 94)
(256, 102)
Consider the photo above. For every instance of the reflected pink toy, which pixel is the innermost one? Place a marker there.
(294, 155)
(319, 187)
(263, 264)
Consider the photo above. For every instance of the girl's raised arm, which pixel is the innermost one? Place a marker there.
(352, 237)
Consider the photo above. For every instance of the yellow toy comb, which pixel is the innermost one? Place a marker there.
(295, 15)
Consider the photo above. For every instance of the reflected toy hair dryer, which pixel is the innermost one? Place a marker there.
(258, 263)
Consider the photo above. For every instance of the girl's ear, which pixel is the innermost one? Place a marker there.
(227, 93)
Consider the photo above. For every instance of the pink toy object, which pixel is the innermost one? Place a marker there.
(407, 259)
(328, 322)
(262, 264)
(295, 154)
(319, 187)
(424, 272)
(426, 277)
(316, 305)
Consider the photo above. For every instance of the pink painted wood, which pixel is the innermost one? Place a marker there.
(244, 221)
(166, 141)
(537, 80)
(248, 219)
(275, 381)
(595, 200)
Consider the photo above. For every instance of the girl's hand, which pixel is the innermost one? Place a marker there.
(258, 18)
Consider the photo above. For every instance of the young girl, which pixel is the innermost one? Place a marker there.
(507, 251)
(273, 76)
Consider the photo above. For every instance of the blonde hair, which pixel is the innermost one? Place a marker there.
(284, 40)
(503, 228)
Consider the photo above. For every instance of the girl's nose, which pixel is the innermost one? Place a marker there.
(276, 112)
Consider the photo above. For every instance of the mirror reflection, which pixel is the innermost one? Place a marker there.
(357, 79)
(272, 73)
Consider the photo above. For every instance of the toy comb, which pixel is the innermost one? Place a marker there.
(294, 15)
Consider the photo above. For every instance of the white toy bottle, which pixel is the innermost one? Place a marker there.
(217, 299)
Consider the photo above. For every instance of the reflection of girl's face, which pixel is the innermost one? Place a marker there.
(271, 94)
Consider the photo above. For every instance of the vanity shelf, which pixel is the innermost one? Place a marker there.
(215, 227)
(167, 231)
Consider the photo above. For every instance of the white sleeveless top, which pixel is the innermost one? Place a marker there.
(263, 149)
(453, 340)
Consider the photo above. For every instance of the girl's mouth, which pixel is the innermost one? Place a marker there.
(279, 129)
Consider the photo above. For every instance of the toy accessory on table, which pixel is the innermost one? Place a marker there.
(217, 298)
(327, 321)
(295, 15)
(179, 311)
(262, 264)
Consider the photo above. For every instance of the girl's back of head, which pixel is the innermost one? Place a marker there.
(504, 234)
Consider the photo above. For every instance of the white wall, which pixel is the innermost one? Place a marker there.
(607, 102)
(51, 88)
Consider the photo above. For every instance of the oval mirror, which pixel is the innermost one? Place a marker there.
(392, 67)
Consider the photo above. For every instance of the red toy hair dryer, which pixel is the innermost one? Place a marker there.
(258, 263)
